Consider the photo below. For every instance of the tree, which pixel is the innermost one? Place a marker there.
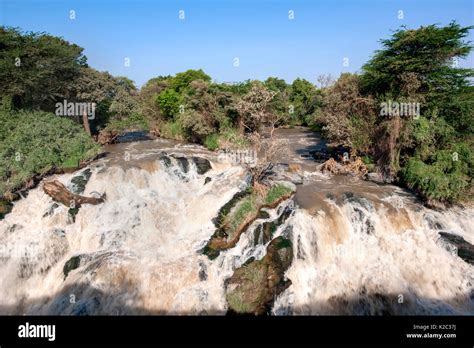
(169, 102)
(200, 117)
(36, 69)
(253, 107)
(304, 100)
(347, 116)
(420, 66)
(182, 80)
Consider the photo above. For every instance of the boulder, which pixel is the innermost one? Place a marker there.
(465, 250)
(253, 288)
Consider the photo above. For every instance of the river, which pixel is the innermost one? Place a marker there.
(360, 247)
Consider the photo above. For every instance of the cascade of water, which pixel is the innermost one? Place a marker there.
(374, 252)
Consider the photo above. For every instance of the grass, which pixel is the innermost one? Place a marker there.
(276, 192)
(172, 130)
(212, 142)
(245, 209)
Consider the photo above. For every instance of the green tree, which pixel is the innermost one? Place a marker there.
(36, 69)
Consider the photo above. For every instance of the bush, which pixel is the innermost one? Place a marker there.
(35, 142)
(447, 178)
(172, 130)
(212, 142)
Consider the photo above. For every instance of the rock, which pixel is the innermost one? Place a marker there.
(254, 286)
(207, 180)
(262, 214)
(320, 156)
(71, 264)
(165, 160)
(5, 208)
(465, 250)
(264, 232)
(183, 163)
(51, 209)
(285, 172)
(294, 168)
(202, 271)
(79, 182)
(202, 165)
(376, 178)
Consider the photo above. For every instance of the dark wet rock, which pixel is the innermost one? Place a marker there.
(320, 156)
(465, 250)
(165, 160)
(5, 208)
(258, 235)
(207, 180)
(211, 253)
(248, 261)
(352, 199)
(183, 163)
(262, 214)
(202, 271)
(51, 210)
(59, 232)
(264, 232)
(79, 182)
(202, 165)
(71, 264)
(254, 286)
(433, 223)
(71, 213)
(14, 227)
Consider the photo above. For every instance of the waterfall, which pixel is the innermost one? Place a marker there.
(362, 249)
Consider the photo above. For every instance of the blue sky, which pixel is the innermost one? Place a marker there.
(213, 33)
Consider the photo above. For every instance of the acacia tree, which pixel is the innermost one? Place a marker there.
(422, 65)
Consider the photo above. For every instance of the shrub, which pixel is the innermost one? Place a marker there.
(212, 142)
(35, 142)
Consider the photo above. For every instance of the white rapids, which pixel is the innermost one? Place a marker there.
(139, 252)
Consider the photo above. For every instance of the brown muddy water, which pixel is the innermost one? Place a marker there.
(360, 247)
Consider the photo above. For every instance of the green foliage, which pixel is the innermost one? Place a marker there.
(276, 192)
(246, 208)
(135, 122)
(305, 99)
(172, 130)
(212, 142)
(35, 142)
(182, 80)
(169, 101)
(447, 178)
(36, 69)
